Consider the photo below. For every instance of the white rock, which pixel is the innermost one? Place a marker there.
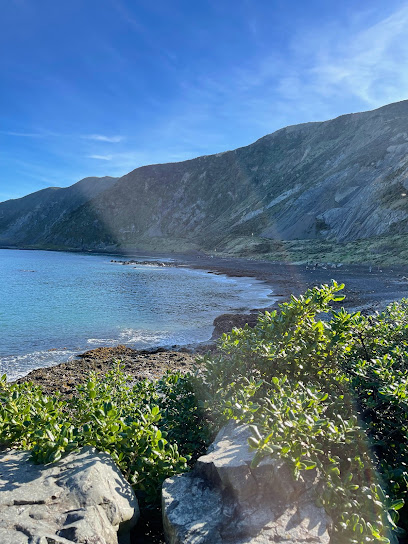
(224, 500)
(83, 498)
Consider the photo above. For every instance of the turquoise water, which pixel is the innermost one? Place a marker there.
(68, 303)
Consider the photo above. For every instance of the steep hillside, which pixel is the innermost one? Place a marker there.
(336, 181)
(31, 220)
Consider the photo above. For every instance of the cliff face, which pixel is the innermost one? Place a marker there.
(342, 180)
(33, 219)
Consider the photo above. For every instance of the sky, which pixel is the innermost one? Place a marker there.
(100, 87)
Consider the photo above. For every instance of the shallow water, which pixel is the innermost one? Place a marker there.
(70, 302)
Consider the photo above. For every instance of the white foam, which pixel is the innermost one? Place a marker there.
(17, 366)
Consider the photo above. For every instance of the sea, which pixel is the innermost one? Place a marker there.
(55, 305)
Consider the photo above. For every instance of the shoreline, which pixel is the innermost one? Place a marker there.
(137, 364)
(65, 366)
(368, 289)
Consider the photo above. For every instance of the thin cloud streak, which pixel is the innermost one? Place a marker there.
(119, 164)
(101, 157)
(103, 138)
(22, 134)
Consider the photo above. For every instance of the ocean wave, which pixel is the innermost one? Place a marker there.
(17, 366)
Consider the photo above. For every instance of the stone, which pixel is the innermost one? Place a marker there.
(226, 322)
(224, 500)
(83, 498)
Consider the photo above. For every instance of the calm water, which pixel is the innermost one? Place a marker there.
(67, 303)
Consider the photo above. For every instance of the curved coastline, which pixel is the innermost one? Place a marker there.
(367, 289)
(111, 349)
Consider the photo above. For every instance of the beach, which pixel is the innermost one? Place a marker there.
(367, 289)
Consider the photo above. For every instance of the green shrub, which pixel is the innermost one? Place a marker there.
(139, 426)
(328, 395)
(182, 418)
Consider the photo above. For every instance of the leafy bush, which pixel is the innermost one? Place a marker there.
(325, 394)
(328, 394)
(182, 418)
(139, 426)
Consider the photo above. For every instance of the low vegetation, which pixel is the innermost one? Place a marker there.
(151, 429)
(327, 394)
(325, 390)
(386, 250)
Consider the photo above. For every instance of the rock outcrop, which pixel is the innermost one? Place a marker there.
(226, 322)
(225, 501)
(83, 498)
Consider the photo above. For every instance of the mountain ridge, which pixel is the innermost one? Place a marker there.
(337, 181)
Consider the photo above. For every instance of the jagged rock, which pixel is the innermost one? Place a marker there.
(224, 500)
(83, 498)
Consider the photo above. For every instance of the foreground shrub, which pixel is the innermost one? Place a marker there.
(141, 427)
(328, 395)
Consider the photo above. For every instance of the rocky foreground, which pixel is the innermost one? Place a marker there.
(84, 499)
(224, 500)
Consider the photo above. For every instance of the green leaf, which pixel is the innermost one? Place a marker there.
(396, 504)
(50, 435)
(255, 431)
(253, 443)
(308, 465)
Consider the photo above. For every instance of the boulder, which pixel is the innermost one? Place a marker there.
(226, 322)
(225, 500)
(83, 498)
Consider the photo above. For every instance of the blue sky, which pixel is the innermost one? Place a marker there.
(100, 87)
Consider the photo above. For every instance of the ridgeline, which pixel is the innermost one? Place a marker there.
(324, 191)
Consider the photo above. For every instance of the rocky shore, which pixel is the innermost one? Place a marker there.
(367, 288)
(138, 365)
(146, 263)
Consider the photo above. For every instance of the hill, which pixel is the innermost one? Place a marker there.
(307, 190)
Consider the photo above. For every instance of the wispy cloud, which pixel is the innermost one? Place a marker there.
(101, 157)
(351, 65)
(370, 64)
(49, 133)
(119, 164)
(103, 138)
(339, 66)
(22, 134)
